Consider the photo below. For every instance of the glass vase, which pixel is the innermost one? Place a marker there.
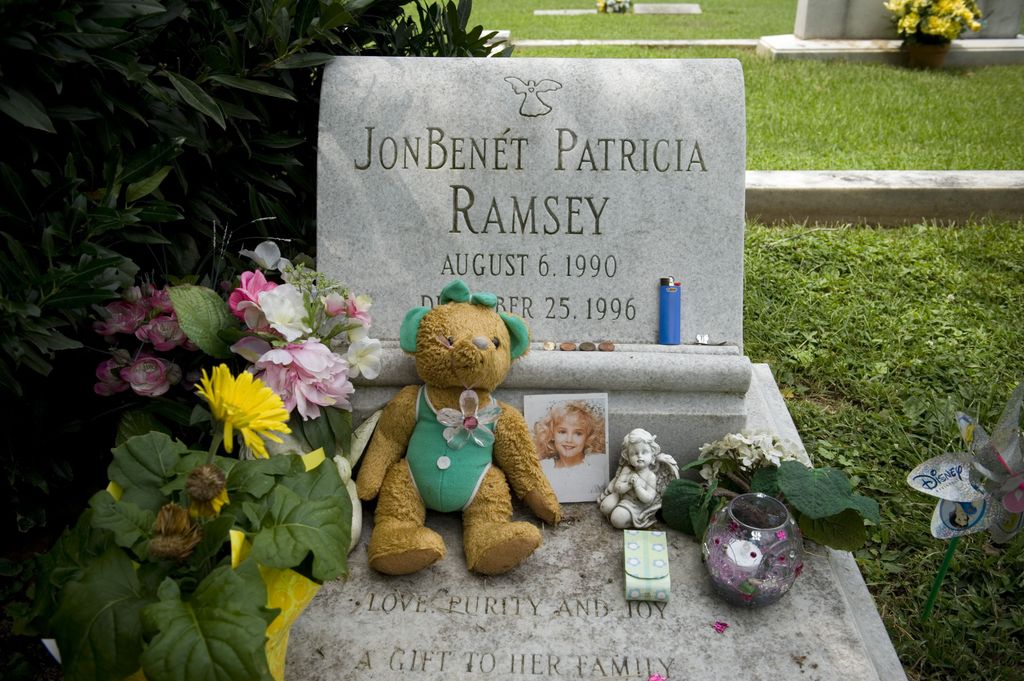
(753, 550)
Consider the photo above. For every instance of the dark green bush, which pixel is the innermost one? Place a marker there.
(153, 137)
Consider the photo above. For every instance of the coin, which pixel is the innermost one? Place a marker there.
(587, 346)
(606, 346)
(567, 346)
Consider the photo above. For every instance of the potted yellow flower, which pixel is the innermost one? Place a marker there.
(191, 564)
(928, 27)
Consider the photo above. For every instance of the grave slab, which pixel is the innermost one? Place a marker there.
(563, 12)
(562, 614)
(666, 8)
(982, 52)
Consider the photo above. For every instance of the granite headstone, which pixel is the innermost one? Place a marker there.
(567, 187)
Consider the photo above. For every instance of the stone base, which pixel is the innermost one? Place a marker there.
(887, 197)
(667, 8)
(686, 394)
(977, 52)
(562, 614)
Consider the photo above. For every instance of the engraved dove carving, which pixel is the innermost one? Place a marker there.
(533, 105)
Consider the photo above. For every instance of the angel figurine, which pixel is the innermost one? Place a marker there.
(634, 495)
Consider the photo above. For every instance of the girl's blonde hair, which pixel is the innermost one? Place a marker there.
(590, 415)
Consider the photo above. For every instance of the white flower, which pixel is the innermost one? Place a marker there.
(285, 311)
(267, 255)
(364, 358)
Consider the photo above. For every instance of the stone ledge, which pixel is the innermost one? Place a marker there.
(975, 52)
(884, 197)
(723, 42)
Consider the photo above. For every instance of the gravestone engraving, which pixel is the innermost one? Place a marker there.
(563, 615)
(567, 187)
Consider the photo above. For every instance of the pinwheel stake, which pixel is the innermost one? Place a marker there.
(981, 489)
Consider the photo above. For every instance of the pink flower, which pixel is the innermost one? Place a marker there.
(120, 317)
(306, 375)
(108, 374)
(244, 300)
(720, 627)
(159, 300)
(150, 376)
(163, 332)
(353, 308)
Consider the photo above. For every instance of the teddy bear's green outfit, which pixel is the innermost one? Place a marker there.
(447, 479)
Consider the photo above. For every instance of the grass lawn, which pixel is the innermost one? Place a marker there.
(876, 338)
(811, 115)
(718, 19)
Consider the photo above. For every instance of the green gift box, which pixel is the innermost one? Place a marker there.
(646, 563)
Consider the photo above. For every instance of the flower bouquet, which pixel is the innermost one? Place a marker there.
(934, 21)
(613, 6)
(304, 337)
(820, 499)
(928, 27)
(192, 564)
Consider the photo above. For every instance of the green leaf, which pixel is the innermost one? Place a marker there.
(74, 550)
(159, 212)
(145, 163)
(201, 314)
(844, 531)
(678, 498)
(815, 492)
(215, 536)
(137, 422)
(25, 110)
(867, 507)
(304, 60)
(196, 97)
(137, 190)
(323, 482)
(700, 513)
(219, 633)
(130, 524)
(293, 527)
(257, 477)
(765, 480)
(257, 86)
(142, 465)
(98, 624)
(126, 9)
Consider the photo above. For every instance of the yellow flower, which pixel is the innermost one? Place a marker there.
(245, 404)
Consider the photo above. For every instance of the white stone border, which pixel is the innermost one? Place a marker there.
(884, 197)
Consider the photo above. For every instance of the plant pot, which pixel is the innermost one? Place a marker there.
(753, 550)
(926, 55)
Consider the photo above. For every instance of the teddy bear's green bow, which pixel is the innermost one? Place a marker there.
(458, 292)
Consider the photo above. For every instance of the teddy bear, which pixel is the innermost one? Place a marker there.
(448, 445)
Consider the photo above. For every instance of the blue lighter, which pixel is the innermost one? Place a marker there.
(669, 303)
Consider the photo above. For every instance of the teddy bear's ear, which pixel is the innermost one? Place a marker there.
(518, 334)
(411, 327)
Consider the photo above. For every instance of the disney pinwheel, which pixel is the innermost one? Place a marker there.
(981, 489)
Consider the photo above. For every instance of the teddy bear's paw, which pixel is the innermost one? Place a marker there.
(494, 548)
(400, 549)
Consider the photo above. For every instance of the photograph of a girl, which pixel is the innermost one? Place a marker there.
(570, 435)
